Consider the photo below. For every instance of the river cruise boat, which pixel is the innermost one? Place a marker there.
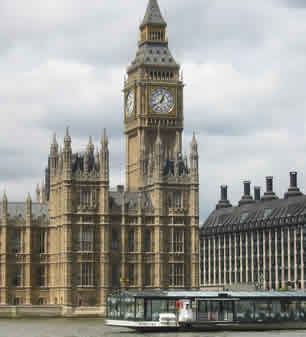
(196, 310)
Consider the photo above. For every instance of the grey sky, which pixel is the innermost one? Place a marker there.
(62, 62)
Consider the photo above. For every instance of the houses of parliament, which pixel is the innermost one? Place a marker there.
(82, 240)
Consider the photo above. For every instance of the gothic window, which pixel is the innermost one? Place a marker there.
(115, 239)
(16, 276)
(86, 237)
(148, 274)
(85, 198)
(177, 199)
(86, 274)
(177, 241)
(41, 276)
(16, 241)
(131, 240)
(131, 273)
(148, 240)
(115, 276)
(42, 241)
(176, 274)
(42, 301)
(17, 301)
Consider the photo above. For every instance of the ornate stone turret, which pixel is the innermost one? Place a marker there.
(28, 207)
(38, 193)
(67, 155)
(53, 156)
(194, 159)
(90, 146)
(104, 157)
(4, 206)
(158, 156)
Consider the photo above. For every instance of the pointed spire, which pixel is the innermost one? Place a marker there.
(4, 206)
(54, 139)
(104, 139)
(194, 144)
(54, 146)
(4, 198)
(38, 193)
(67, 139)
(29, 199)
(90, 147)
(153, 15)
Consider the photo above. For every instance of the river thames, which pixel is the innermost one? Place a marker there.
(95, 328)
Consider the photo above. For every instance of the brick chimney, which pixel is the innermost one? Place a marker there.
(223, 203)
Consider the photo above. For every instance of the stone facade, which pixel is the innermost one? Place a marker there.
(260, 242)
(82, 240)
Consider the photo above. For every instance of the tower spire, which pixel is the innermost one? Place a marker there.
(153, 15)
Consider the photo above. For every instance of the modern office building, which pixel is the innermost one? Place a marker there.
(261, 242)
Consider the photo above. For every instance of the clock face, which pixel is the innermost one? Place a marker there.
(161, 101)
(130, 103)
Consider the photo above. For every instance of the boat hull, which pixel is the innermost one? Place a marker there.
(207, 326)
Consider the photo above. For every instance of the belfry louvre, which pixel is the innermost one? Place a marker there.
(83, 240)
(260, 242)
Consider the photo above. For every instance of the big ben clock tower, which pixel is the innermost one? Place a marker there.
(165, 181)
(153, 99)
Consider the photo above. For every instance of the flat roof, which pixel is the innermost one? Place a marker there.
(212, 294)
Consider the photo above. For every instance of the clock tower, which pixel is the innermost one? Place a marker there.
(153, 100)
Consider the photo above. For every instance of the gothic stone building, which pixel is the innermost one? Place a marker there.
(84, 240)
(261, 242)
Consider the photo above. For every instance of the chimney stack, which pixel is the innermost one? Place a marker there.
(257, 193)
(269, 194)
(223, 203)
(246, 198)
(293, 190)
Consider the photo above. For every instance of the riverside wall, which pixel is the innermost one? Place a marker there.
(49, 311)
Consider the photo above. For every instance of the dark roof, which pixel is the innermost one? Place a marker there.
(154, 55)
(211, 294)
(153, 14)
(18, 209)
(265, 212)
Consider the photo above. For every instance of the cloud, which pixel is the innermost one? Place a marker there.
(63, 62)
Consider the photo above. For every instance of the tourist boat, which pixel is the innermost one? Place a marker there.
(196, 310)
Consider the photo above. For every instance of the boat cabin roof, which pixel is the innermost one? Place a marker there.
(210, 294)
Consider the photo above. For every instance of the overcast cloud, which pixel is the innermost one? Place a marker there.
(62, 62)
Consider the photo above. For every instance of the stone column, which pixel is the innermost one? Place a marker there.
(295, 261)
(214, 256)
(258, 259)
(219, 258)
(264, 260)
(302, 260)
(276, 261)
(230, 257)
(204, 261)
(247, 257)
(270, 260)
(224, 259)
(252, 256)
(240, 258)
(209, 261)
(283, 261)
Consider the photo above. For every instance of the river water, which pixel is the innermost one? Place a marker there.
(95, 328)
